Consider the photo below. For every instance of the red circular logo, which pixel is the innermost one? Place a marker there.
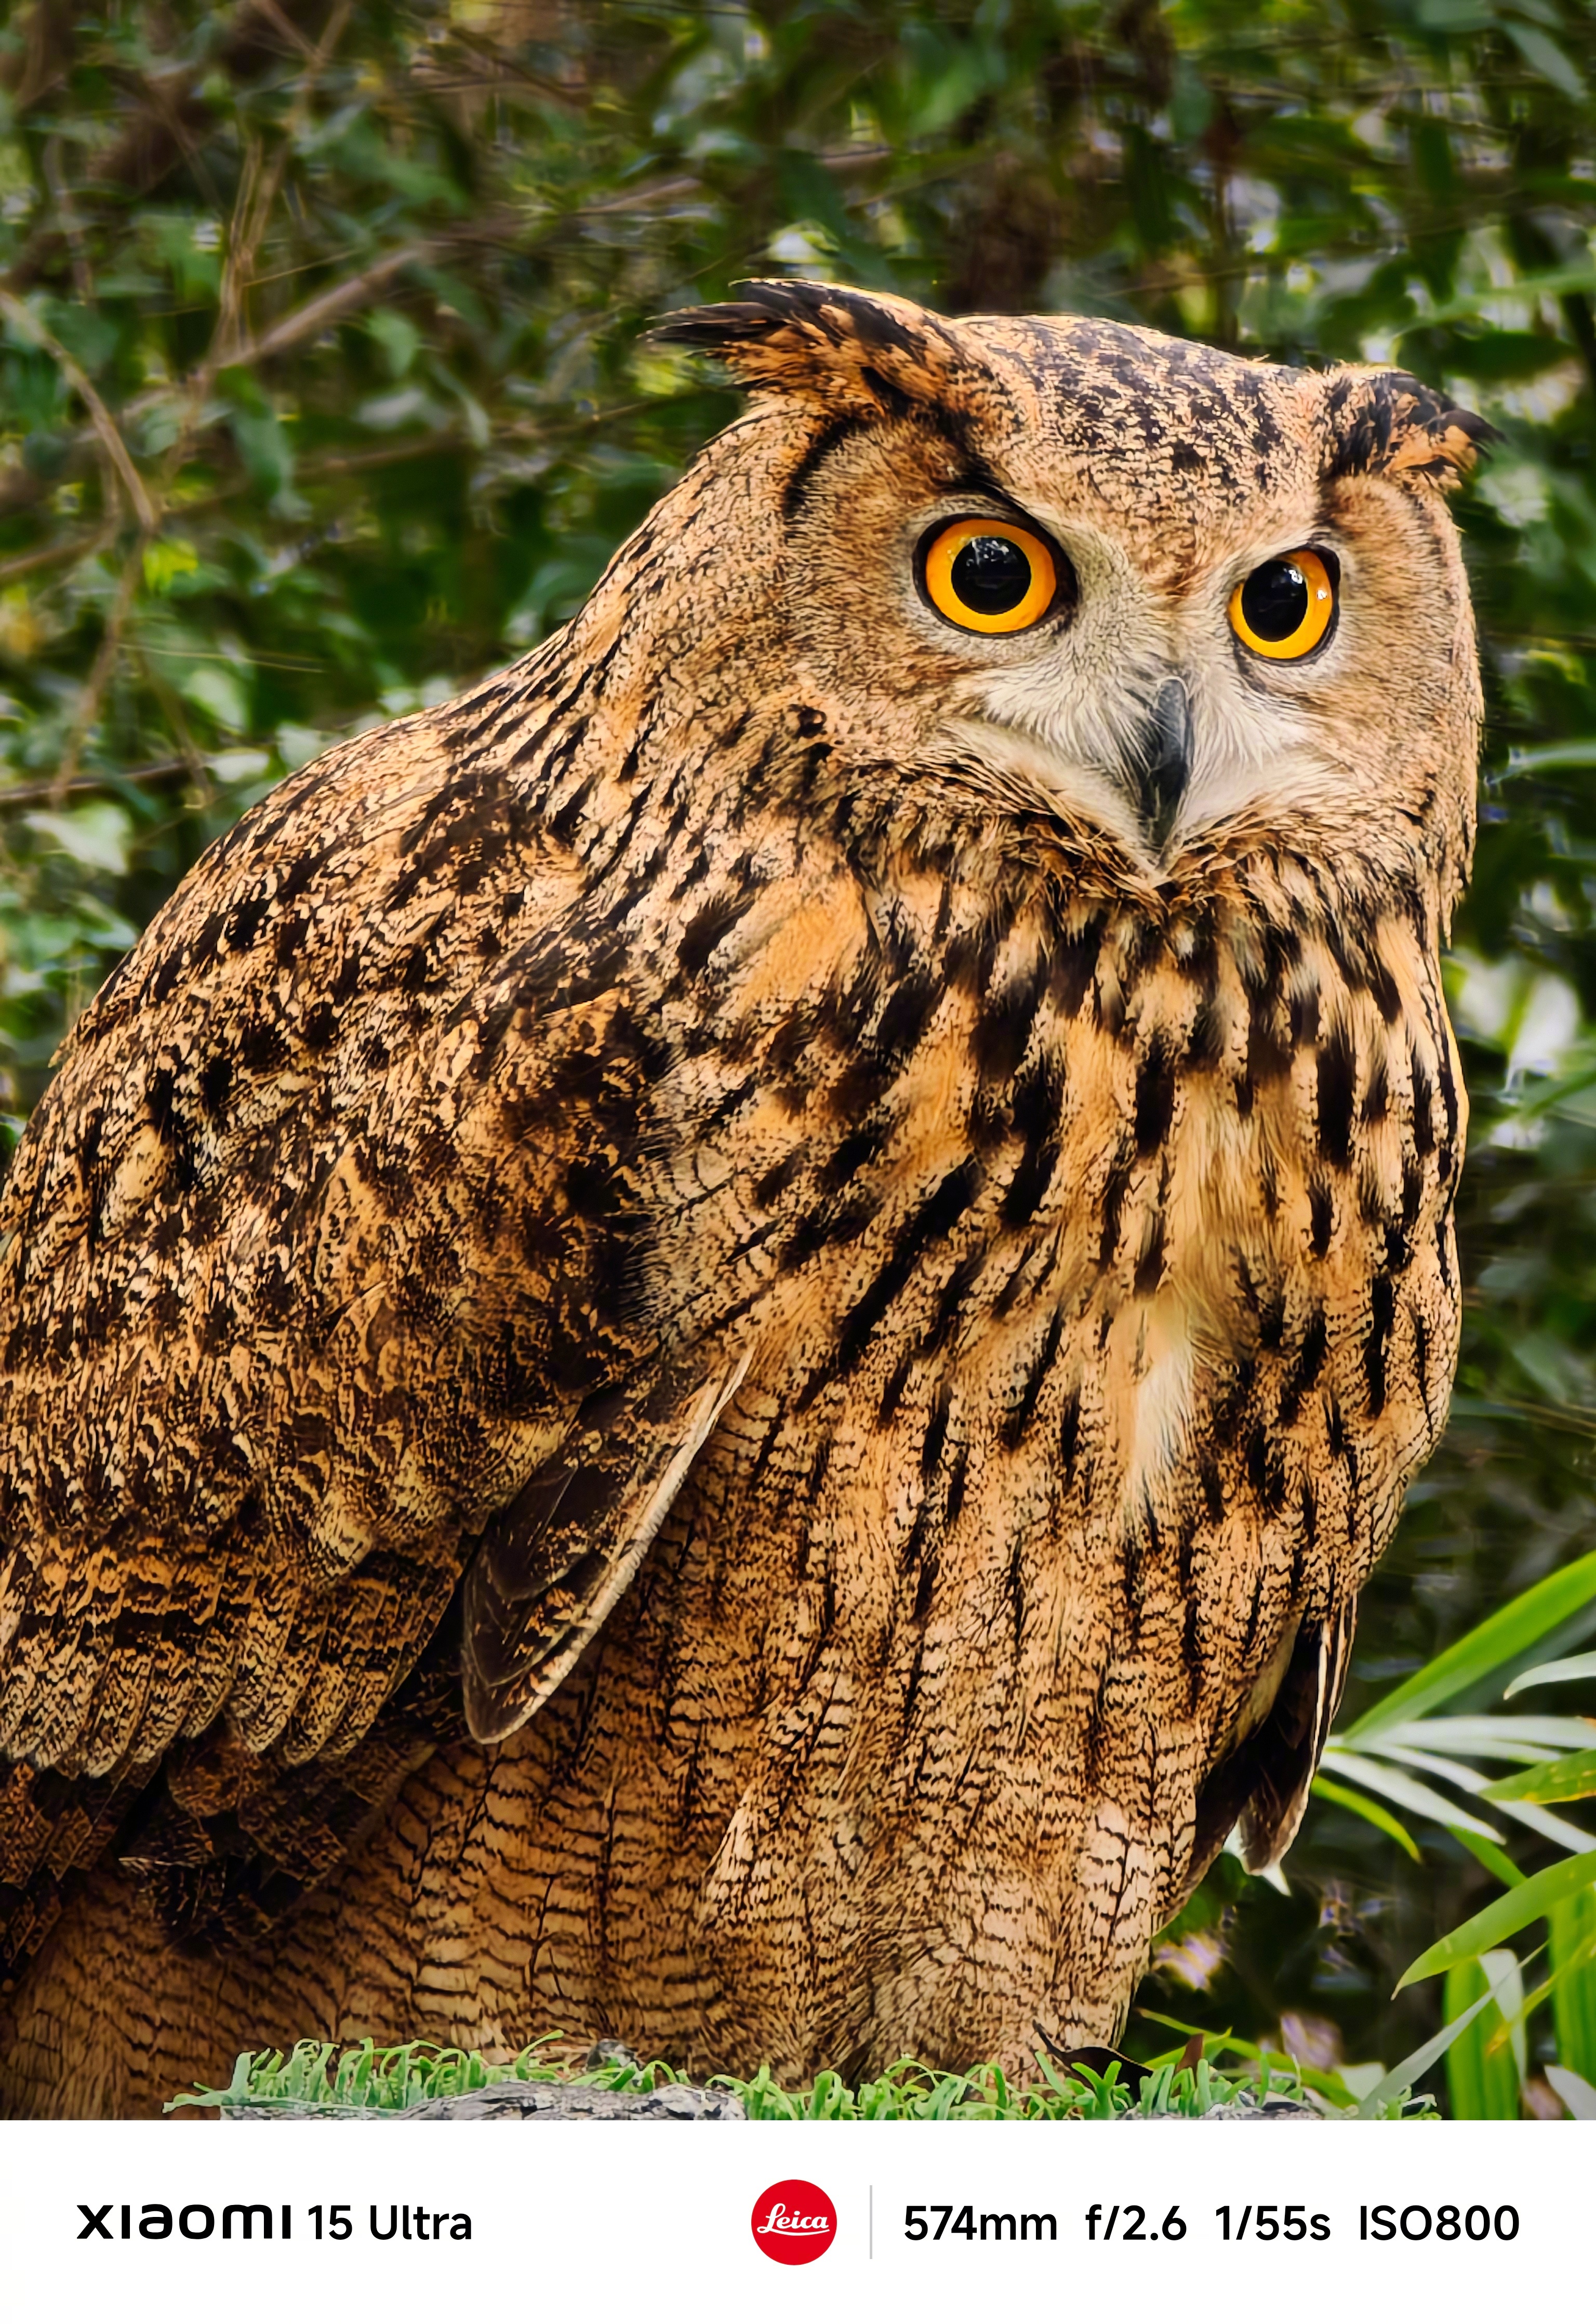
(795, 2221)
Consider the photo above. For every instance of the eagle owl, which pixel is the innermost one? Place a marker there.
(710, 1345)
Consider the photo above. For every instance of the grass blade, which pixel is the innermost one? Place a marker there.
(1370, 1810)
(1552, 1674)
(1574, 1998)
(1498, 1639)
(1489, 1735)
(1573, 1778)
(1504, 1916)
(1556, 1829)
(1500, 1865)
(1483, 2077)
(1403, 2076)
(1404, 1793)
(1575, 2091)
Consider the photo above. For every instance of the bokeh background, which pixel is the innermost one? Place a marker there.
(322, 391)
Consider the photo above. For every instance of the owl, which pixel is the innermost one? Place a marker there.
(709, 1347)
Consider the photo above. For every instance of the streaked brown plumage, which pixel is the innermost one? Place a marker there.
(712, 1345)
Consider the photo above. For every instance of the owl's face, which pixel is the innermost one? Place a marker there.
(1128, 582)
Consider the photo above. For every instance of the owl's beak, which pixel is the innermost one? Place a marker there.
(1158, 762)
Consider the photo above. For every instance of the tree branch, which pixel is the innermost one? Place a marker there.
(52, 793)
(24, 319)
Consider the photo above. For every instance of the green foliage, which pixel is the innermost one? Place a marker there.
(1573, 1922)
(1483, 2081)
(365, 2080)
(321, 391)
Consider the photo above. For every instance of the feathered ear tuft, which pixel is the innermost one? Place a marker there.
(1389, 423)
(838, 347)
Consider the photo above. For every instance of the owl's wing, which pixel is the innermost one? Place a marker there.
(327, 1258)
(1262, 1785)
(553, 1564)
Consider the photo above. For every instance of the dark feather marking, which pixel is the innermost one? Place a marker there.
(1213, 1487)
(892, 1395)
(910, 1006)
(1336, 1079)
(1233, 1395)
(1016, 1588)
(972, 954)
(1424, 1123)
(711, 924)
(1115, 1188)
(1191, 1652)
(960, 1284)
(855, 1152)
(914, 1539)
(1069, 1437)
(1377, 1096)
(1074, 962)
(1019, 1420)
(1037, 1104)
(958, 1485)
(922, 1595)
(1421, 1355)
(1002, 1030)
(1266, 1470)
(1412, 1194)
(829, 1227)
(1155, 1096)
(1149, 1265)
(769, 1189)
(1382, 1305)
(1302, 1009)
(936, 1217)
(1321, 1207)
(936, 1431)
(1269, 1058)
(827, 440)
(1204, 1044)
(1311, 1350)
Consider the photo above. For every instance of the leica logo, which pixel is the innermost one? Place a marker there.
(795, 2221)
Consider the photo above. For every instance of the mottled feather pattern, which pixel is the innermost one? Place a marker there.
(677, 1359)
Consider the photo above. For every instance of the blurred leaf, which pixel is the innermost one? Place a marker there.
(1419, 2062)
(222, 692)
(1370, 1810)
(1542, 54)
(1573, 1778)
(1573, 1946)
(1552, 1674)
(1575, 2092)
(1505, 1916)
(1404, 1793)
(1498, 1639)
(96, 836)
(1484, 2079)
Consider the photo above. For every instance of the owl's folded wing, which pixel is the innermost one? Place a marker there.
(322, 1261)
(1261, 1785)
(553, 1564)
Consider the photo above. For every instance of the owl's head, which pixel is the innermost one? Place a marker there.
(1162, 595)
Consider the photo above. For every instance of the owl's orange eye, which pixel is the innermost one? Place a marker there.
(1284, 608)
(981, 574)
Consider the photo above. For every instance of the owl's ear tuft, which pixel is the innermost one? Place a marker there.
(861, 349)
(1389, 423)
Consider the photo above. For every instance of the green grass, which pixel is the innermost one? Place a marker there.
(364, 2078)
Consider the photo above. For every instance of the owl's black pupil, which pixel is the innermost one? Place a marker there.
(991, 575)
(1275, 601)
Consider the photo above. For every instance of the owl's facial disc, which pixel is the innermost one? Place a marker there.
(1056, 566)
(1157, 713)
